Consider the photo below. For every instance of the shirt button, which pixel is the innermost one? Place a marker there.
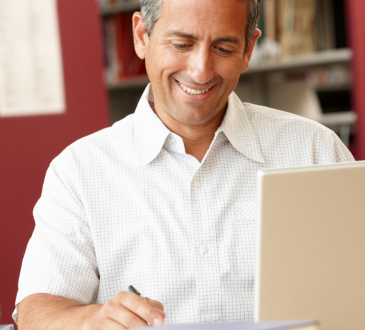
(209, 318)
(204, 249)
(198, 184)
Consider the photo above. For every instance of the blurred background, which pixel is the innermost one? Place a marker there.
(80, 64)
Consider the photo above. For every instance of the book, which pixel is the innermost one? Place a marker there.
(7, 327)
(276, 325)
(298, 29)
(325, 25)
(111, 50)
(270, 18)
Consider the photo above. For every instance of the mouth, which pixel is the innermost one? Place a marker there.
(192, 91)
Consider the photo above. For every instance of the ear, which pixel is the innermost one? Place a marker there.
(139, 35)
(247, 55)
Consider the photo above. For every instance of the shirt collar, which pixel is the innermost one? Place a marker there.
(151, 134)
(238, 128)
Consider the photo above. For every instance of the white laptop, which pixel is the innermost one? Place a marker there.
(311, 245)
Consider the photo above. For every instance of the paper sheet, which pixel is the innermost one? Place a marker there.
(31, 75)
(275, 325)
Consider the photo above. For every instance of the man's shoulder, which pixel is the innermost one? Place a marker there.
(292, 132)
(109, 141)
(117, 133)
(278, 118)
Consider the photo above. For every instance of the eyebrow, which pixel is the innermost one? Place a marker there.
(180, 34)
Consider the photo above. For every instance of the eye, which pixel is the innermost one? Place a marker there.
(224, 51)
(181, 46)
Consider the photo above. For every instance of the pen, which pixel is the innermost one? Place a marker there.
(131, 288)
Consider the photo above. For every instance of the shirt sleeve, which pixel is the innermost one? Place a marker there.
(330, 149)
(60, 256)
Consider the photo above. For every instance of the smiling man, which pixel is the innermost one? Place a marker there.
(165, 199)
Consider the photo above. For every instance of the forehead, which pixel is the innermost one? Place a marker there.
(213, 16)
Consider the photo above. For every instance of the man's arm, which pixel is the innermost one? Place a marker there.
(125, 310)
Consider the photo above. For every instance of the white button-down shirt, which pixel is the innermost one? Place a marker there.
(127, 206)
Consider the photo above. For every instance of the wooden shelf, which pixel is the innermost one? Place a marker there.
(338, 118)
(338, 88)
(138, 81)
(131, 5)
(330, 57)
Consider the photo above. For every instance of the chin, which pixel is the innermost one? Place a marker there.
(192, 120)
(189, 116)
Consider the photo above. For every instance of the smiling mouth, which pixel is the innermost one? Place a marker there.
(192, 91)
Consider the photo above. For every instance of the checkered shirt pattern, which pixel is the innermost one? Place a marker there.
(127, 206)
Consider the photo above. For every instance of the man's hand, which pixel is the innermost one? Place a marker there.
(127, 310)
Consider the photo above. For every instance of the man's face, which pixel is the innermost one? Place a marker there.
(197, 44)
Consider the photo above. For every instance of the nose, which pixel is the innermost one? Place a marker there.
(200, 67)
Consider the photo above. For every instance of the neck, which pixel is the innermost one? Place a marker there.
(197, 138)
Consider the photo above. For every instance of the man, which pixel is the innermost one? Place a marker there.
(164, 200)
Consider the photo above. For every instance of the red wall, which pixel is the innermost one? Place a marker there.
(356, 28)
(28, 144)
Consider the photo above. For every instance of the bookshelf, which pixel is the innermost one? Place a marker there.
(322, 58)
(331, 57)
(126, 83)
(125, 93)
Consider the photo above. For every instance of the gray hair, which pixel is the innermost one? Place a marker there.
(151, 10)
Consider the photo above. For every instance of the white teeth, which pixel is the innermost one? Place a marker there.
(192, 91)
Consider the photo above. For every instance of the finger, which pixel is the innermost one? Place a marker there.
(157, 305)
(123, 316)
(162, 313)
(141, 307)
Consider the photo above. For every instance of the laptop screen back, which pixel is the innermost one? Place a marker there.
(311, 245)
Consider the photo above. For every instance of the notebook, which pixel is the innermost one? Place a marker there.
(278, 325)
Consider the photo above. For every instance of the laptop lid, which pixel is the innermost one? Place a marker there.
(311, 245)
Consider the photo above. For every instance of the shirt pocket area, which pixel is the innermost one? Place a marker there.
(246, 211)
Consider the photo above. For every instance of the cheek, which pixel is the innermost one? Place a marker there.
(229, 69)
(175, 62)
(168, 62)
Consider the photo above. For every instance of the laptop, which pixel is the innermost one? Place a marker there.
(311, 245)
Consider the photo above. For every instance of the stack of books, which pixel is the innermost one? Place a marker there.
(294, 27)
(121, 59)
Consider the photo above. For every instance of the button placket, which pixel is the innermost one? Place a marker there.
(204, 236)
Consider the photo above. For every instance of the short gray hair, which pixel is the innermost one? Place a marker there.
(151, 10)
